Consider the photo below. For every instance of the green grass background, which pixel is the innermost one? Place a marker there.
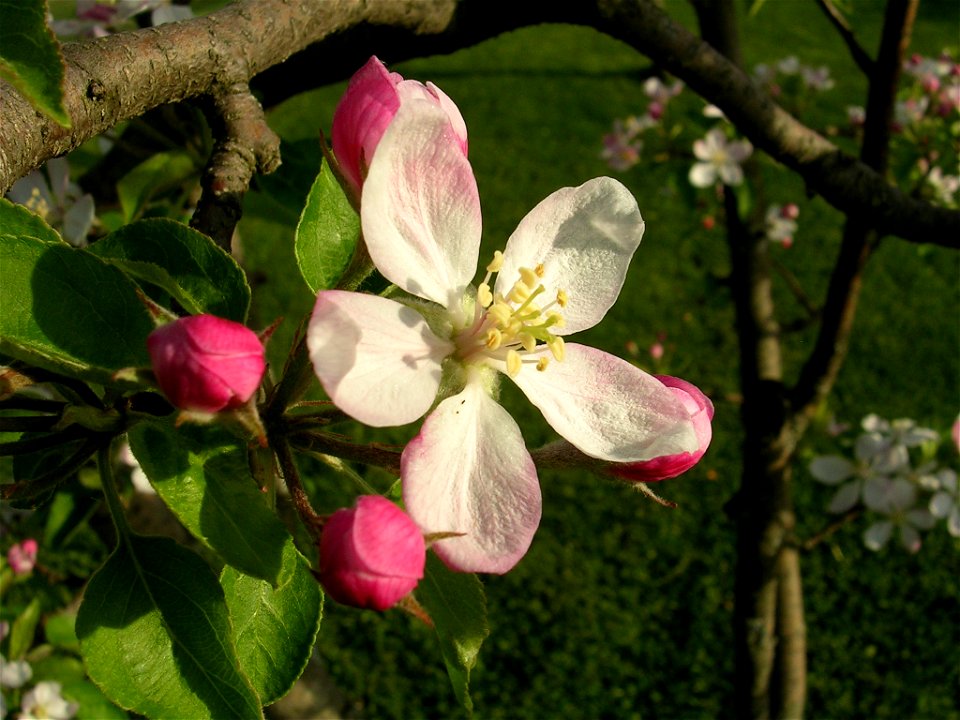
(622, 608)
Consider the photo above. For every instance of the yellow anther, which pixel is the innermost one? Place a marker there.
(519, 292)
(514, 327)
(494, 338)
(557, 348)
(496, 263)
(539, 270)
(513, 362)
(529, 277)
(501, 312)
(542, 363)
(484, 296)
(528, 341)
(556, 319)
(562, 298)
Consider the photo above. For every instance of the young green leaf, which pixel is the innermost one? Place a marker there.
(327, 233)
(68, 311)
(202, 474)
(18, 221)
(458, 607)
(153, 176)
(184, 262)
(156, 636)
(30, 58)
(275, 627)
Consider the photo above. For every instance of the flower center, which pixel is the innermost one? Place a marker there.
(513, 328)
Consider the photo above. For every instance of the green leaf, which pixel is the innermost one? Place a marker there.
(19, 221)
(60, 630)
(457, 604)
(67, 311)
(30, 58)
(156, 175)
(327, 233)
(275, 627)
(203, 475)
(23, 629)
(156, 636)
(202, 277)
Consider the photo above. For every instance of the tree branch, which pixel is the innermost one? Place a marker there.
(860, 56)
(121, 76)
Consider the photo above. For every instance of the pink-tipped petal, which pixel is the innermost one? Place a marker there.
(669, 466)
(376, 359)
(361, 117)
(608, 408)
(420, 208)
(468, 471)
(584, 237)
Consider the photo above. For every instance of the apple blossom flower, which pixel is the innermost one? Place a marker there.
(856, 115)
(206, 363)
(660, 94)
(944, 186)
(865, 479)
(789, 65)
(56, 199)
(669, 466)
(99, 18)
(898, 505)
(781, 223)
(371, 555)
(817, 78)
(387, 362)
(944, 503)
(14, 673)
(44, 702)
(368, 106)
(719, 160)
(656, 351)
(621, 149)
(23, 556)
(890, 441)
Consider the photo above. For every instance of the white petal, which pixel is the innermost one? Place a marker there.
(608, 408)
(942, 504)
(845, 498)
(921, 519)
(878, 494)
(703, 175)
(910, 538)
(420, 208)
(469, 471)
(731, 174)
(878, 535)
(832, 469)
(584, 237)
(376, 359)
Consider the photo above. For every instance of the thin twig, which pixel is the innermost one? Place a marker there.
(811, 542)
(301, 502)
(794, 285)
(860, 56)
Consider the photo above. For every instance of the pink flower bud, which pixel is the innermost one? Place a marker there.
(371, 555)
(668, 466)
(372, 99)
(23, 556)
(205, 363)
(656, 351)
(790, 211)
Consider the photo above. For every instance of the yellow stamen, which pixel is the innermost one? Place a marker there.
(542, 363)
(494, 338)
(557, 348)
(513, 362)
(484, 296)
(529, 277)
(519, 292)
(528, 341)
(562, 298)
(539, 270)
(556, 319)
(496, 263)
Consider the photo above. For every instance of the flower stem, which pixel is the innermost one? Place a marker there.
(291, 476)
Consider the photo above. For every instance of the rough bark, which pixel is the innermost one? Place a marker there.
(123, 76)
